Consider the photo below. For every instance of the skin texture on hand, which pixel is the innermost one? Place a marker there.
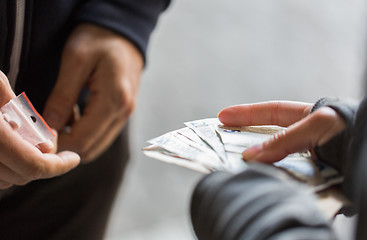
(21, 162)
(110, 67)
(304, 131)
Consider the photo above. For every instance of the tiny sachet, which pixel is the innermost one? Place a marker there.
(23, 117)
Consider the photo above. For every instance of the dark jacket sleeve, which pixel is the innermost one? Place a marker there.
(343, 150)
(134, 19)
(259, 203)
(348, 152)
(335, 151)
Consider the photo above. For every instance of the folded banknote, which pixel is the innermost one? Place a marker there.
(207, 145)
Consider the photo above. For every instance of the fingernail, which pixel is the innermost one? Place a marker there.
(70, 156)
(226, 115)
(46, 147)
(251, 152)
(49, 144)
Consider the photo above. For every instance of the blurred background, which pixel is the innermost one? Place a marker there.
(208, 54)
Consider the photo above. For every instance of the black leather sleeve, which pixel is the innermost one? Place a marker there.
(259, 203)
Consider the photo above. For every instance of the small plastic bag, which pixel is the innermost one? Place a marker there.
(23, 117)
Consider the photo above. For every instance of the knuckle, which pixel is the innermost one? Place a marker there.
(324, 114)
(274, 117)
(123, 101)
(129, 105)
(76, 52)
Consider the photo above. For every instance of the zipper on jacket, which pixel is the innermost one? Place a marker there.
(17, 43)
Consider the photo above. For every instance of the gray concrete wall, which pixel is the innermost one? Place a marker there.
(208, 54)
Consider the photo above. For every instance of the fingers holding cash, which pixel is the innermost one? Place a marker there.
(304, 131)
(206, 145)
(265, 132)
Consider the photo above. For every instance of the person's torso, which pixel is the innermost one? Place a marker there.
(32, 37)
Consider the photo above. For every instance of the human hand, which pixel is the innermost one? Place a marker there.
(110, 67)
(304, 131)
(21, 162)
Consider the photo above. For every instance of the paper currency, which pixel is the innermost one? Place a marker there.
(176, 143)
(206, 145)
(206, 130)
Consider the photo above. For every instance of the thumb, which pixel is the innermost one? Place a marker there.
(314, 130)
(60, 104)
(58, 164)
(6, 93)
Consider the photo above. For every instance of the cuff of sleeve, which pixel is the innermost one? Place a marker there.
(346, 108)
(333, 152)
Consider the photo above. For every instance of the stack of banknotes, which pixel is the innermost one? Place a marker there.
(207, 146)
